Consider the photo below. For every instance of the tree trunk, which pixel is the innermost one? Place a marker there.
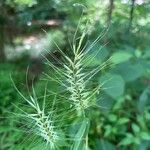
(131, 15)
(109, 19)
(110, 10)
(2, 20)
(2, 52)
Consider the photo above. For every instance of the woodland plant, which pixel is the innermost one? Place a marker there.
(67, 116)
(51, 118)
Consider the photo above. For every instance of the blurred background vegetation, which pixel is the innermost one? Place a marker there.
(29, 27)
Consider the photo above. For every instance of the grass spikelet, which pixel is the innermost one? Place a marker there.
(40, 121)
(44, 124)
(75, 78)
(75, 75)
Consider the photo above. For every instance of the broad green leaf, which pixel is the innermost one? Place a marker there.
(104, 145)
(136, 140)
(129, 71)
(145, 135)
(144, 99)
(146, 54)
(146, 66)
(127, 140)
(120, 56)
(105, 102)
(135, 128)
(82, 132)
(112, 84)
(108, 130)
(112, 118)
(122, 121)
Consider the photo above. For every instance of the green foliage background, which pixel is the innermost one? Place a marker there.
(122, 120)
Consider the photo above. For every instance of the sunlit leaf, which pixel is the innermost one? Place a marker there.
(114, 84)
